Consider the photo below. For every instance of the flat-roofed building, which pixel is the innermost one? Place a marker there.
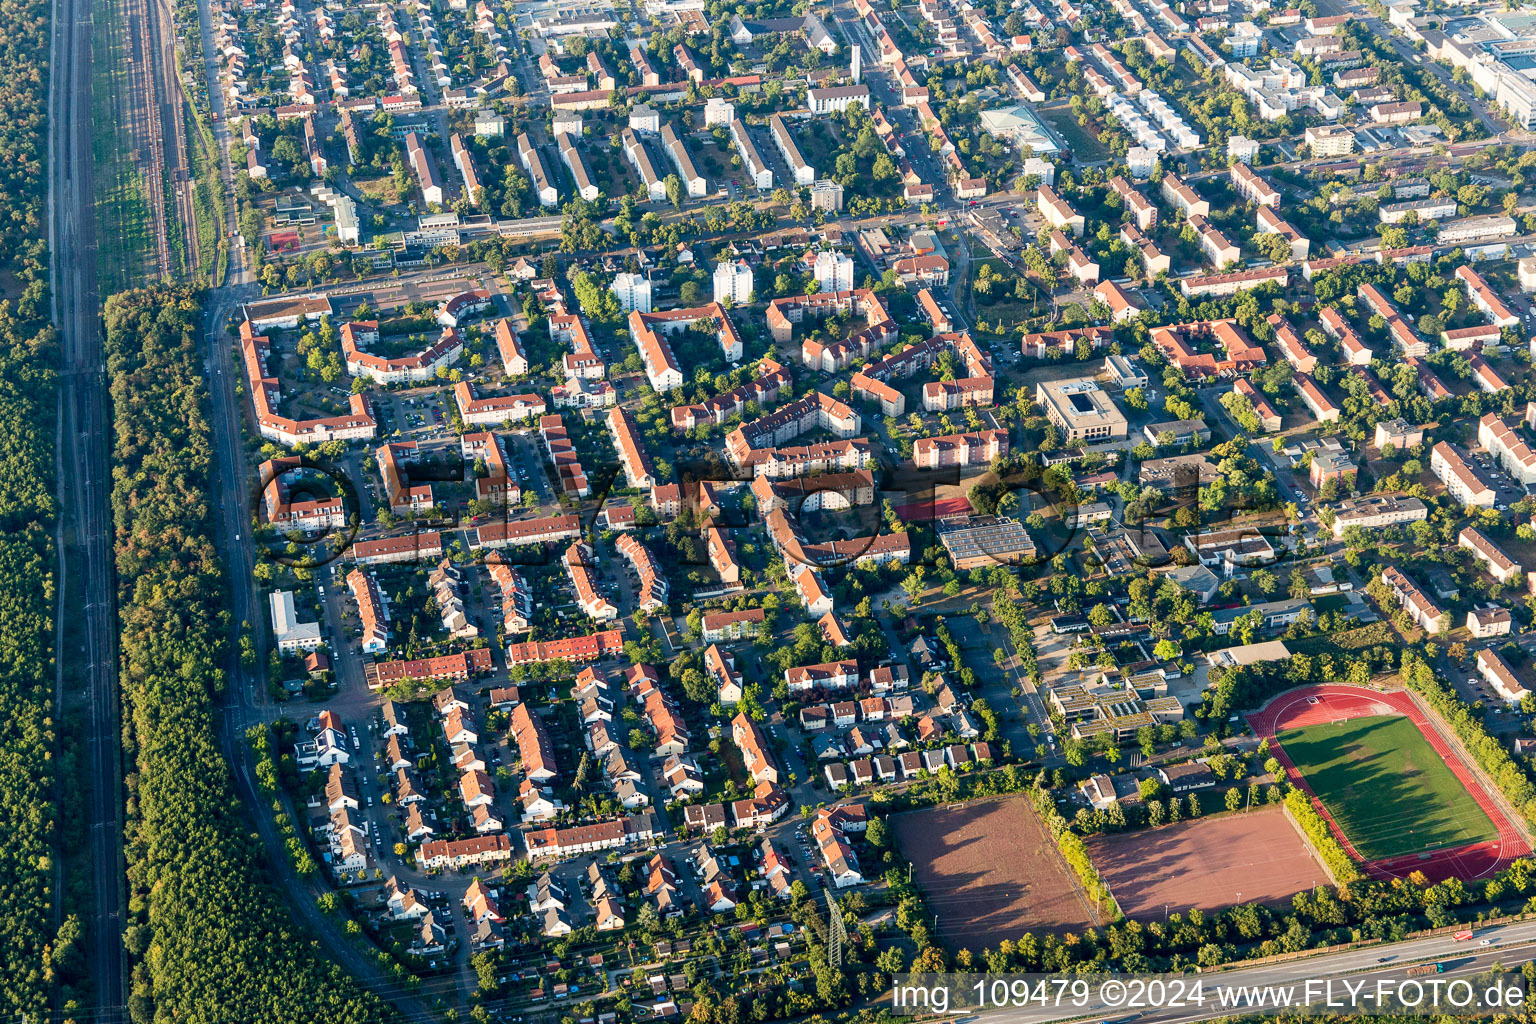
(1399, 433)
(1081, 410)
(1119, 713)
(1124, 373)
(1230, 548)
(1330, 140)
(1373, 511)
(979, 541)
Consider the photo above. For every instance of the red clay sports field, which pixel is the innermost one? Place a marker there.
(1316, 705)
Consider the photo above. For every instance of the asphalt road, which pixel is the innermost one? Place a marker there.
(86, 634)
(1514, 945)
(245, 700)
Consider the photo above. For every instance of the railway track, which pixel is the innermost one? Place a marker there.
(144, 123)
(157, 121)
(174, 114)
(87, 631)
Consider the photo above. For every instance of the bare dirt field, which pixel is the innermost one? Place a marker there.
(1209, 863)
(990, 872)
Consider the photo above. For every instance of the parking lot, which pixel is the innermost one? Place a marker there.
(1506, 490)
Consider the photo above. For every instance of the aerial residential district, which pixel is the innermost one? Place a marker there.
(602, 511)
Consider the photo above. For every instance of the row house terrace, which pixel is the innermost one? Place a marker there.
(497, 485)
(630, 447)
(458, 667)
(1223, 285)
(412, 547)
(651, 330)
(288, 502)
(590, 839)
(878, 549)
(972, 449)
(651, 595)
(495, 410)
(761, 391)
(829, 357)
(606, 644)
(516, 594)
(1241, 354)
(808, 494)
(579, 567)
(527, 532)
(266, 392)
(562, 455)
(816, 411)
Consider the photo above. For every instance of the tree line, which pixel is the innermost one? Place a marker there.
(28, 773)
(208, 932)
(37, 957)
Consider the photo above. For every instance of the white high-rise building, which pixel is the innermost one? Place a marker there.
(633, 291)
(733, 281)
(834, 271)
(1140, 161)
(718, 111)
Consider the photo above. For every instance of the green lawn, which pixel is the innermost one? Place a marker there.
(1384, 785)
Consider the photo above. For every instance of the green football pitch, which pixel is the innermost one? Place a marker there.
(1385, 786)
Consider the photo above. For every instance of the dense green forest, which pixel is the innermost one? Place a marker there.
(34, 956)
(23, 126)
(211, 939)
(27, 739)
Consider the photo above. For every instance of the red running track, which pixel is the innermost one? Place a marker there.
(939, 508)
(1335, 703)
